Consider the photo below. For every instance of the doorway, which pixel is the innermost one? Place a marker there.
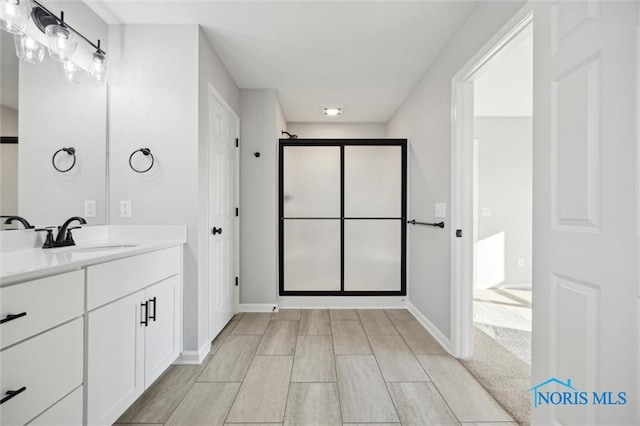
(342, 216)
(502, 196)
(492, 208)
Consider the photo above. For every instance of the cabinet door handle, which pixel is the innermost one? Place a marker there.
(10, 394)
(145, 319)
(153, 317)
(11, 317)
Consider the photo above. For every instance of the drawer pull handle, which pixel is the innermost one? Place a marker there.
(145, 319)
(11, 317)
(10, 394)
(153, 317)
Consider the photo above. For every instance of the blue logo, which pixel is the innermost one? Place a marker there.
(569, 395)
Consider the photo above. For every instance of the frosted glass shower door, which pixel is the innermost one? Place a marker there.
(373, 211)
(342, 217)
(310, 225)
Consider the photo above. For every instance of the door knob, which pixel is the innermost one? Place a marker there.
(215, 230)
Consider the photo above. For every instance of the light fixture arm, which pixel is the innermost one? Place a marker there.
(64, 24)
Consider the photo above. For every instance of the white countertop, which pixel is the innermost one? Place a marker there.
(32, 263)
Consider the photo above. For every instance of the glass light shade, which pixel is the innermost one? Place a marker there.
(99, 67)
(14, 15)
(62, 43)
(69, 71)
(28, 49)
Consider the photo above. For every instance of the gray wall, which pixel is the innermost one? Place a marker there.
(505, 186)
(261, 121)
(8, 121)
(338, 130)
(8, 163)
(424, 118)
(159, 72)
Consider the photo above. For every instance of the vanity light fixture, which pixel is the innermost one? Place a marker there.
(99, 67)
(14, 15)
(28, 49)
(332, 111)
(69, 71)
(62, 42)
(62, 39)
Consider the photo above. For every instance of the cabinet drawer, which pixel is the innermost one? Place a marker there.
(67, 412)
(109, 281)
(49, 366)
(46, 302)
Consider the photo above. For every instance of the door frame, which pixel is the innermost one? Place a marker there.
(214, 95)
(462, 186)
(402, 143)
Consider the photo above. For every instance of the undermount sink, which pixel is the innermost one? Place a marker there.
(108, 247)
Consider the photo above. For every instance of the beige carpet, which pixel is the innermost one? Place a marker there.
(505, 376)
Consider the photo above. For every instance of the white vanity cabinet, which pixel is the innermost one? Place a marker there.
(133, 329)
(41, 357)
(82, 336)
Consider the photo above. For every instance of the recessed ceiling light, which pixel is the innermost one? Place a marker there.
(332, 111)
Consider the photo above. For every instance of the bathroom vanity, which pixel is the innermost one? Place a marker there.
(86, 329)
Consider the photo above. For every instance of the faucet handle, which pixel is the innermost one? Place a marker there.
(48, 242)
(69, 237)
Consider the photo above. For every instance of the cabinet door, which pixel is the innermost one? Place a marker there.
(163, 332)
(115, 354)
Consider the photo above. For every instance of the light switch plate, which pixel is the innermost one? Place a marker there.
(125, 209)
(89, 208)
(440, 210)
(486, 211)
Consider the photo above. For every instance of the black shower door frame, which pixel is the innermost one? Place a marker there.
(342, 143)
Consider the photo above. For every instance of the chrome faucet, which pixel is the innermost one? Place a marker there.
(64, 237)
(10, 219)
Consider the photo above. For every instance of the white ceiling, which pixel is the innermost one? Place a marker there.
(364, 55)
(504, 87)
(8, 71)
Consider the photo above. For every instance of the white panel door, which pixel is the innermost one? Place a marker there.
(585, 274)
(222, 216)
(162, 334)
(115, 358)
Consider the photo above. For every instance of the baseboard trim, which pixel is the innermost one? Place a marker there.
(342, 302)
(194, 357)
(257, 307)
(428, 325)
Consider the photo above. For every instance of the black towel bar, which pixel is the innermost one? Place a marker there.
(438, 225)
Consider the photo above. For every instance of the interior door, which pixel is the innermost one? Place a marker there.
(222, 216)
(585, 276)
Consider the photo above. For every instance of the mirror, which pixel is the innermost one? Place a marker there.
(40, 114)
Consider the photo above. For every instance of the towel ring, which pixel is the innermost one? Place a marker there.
(71, 151)
(145, 152)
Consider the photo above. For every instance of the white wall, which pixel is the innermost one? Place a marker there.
(159, 78)
(261, 120)
(211, 71)
(338, 130)
(504, 86)
(424, 118)
(56, 114)
(505, 183)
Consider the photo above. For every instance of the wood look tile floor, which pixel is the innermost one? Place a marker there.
(320, 367)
